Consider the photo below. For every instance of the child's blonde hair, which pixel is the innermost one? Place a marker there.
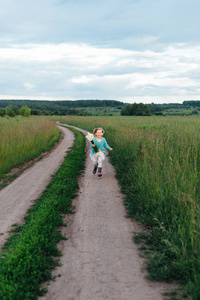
(99, 128)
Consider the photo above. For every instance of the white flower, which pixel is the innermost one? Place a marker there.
(89, 137)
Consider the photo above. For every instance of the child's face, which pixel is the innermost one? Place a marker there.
(99, 133)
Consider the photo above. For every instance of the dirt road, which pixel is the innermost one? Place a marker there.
(100, 260)
(17, 198)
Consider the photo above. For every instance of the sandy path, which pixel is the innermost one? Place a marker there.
(16, 198)
(100, 260)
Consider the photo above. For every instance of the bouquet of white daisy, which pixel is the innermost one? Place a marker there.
(90, 138)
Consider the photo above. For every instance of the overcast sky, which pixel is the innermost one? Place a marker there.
(128, 50)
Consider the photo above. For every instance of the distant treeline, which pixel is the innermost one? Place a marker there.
(195, 103)
(79, 107)
(192, 107)
(68, 106)
(160, 108)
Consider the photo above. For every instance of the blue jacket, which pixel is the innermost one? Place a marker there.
(100, 145)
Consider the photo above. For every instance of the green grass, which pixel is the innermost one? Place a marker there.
(23, 139)
(29, 255)
(157, 160)
(101, 111)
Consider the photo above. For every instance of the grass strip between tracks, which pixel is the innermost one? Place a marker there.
(29, 255)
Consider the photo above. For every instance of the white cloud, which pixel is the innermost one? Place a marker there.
(74, 53)
(84, 79)
(29, 86)
(86, 71)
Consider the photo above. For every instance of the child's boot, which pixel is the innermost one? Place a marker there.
(95, 169)
(99, 172)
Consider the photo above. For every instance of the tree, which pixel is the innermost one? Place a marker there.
(136, 110)
(45, 113)
(16, 109)
(194, 112)
(2, 112)
(55, 112)
(143, 110)
(35, 112)
(25, 111)
(12, 110)
(124, 112)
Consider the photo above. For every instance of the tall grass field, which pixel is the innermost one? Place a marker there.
(157, 162)
(22, 139)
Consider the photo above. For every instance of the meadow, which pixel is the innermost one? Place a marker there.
(23, 139)
(101, 111)
(157, 163)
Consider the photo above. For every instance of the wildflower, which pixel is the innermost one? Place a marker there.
(90, 138)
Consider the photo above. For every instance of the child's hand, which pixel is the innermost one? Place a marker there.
(111, 149)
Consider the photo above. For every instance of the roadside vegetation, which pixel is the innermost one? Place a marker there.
(23, 139)
(30, 253)
(157, 162)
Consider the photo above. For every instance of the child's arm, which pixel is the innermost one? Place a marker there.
(92, 145)
(106, 145)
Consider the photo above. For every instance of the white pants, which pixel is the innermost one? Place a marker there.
(98, 158)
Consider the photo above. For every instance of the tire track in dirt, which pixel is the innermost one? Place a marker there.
(17, 198)
(100, 260)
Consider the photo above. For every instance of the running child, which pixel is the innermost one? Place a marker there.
(98, 145)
